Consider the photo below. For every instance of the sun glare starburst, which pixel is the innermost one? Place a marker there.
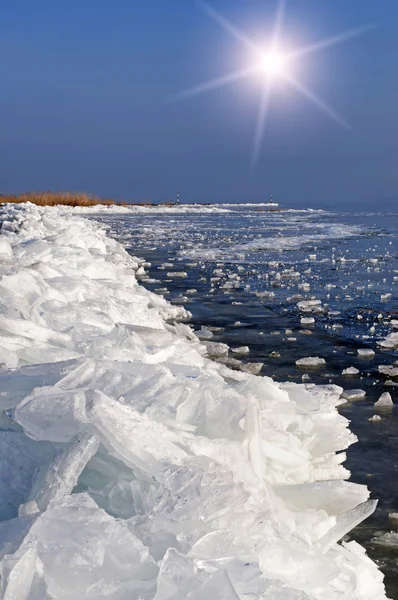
(272, 63)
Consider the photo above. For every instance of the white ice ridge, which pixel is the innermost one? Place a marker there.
(134, 468)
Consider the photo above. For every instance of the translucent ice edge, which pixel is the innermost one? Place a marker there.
(135, 468)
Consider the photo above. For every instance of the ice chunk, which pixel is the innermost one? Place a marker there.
(20, 577)
(385, 401)
(334, 497)
(311, 362)
(50, 413)
(58, 479)
(218, 585)
(366, 353)
(176, 576)
(104, 558)
(389, 540)
(353, 394)
(204, 334)
(5, 249)
(215, 349)
(132, 437)
(252, 367)
(393, 517)
(345, 522)
(177, 274)
(375, 419)
(388, 370)
(241, 350)
(307, 320)
(350, 371)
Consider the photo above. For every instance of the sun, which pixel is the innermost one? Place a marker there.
(274, 63)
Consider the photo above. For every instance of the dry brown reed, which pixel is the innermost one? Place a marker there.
(55, 199)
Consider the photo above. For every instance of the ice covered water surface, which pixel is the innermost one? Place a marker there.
(137, 467)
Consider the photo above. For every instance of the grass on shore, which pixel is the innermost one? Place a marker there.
(55, 199)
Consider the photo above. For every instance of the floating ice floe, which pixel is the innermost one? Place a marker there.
(375, 419)
(353, 394)
(365, 353)
(385, 401)
(241, 350)
(350, 371)
(311, 361)
(136, 468)
(307, 320)
(388, 370)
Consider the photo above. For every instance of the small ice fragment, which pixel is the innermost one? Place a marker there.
(388, 370)
(350, 371)
(310, 361)
(375, 419)
(177, 274)
(204, 334)
(366, 353)
(252, 367)
(385, 401)
(241, 350)
(307, 320)
(5, 249)
(215, 349)
(393, 517)
(389, 539)
(353, 394)
(391, 383)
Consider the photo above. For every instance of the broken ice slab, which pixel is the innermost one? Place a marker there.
(53, 414)
(365, 353)
(216, 349)
(310, 362)
(375, 419)
(252, 367)
(241, 350)
(390, 540)
(345, 522)
(18, 383)
(388, 370)
(334, 497)
(217, 586)
(176, 577)
(58, 478)
(353, 395)
(204, 334)
(83, 552)
(350, 371)
(133, 437)
(385, 401)
(21, 458)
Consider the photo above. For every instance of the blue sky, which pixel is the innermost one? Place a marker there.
(85, 102)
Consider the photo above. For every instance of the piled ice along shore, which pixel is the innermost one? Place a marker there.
(133, 467)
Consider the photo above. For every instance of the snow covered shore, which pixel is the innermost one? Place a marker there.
(135, 468)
